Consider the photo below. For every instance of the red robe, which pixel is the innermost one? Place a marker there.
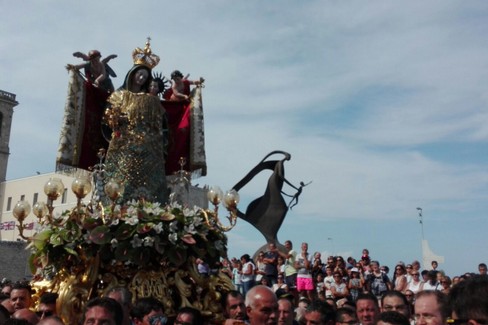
(178, 115)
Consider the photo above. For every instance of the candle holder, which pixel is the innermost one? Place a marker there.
(230, 201)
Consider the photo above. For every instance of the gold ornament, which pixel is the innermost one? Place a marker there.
(145, 56)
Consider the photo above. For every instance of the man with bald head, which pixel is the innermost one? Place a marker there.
(262, 306)
(27, 315)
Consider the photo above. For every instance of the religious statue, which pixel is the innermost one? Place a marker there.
(82, 130)
(97, 71)
(185, 123)
(135, 156)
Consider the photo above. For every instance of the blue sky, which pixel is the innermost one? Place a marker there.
(383, 105)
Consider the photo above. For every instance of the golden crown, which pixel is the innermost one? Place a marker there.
(145, 56)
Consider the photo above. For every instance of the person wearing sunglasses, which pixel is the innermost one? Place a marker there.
(47, 305)
(148, 311)
(188, 316)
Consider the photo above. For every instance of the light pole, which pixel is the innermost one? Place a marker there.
(421, 221)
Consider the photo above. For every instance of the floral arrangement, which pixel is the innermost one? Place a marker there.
(139, 234)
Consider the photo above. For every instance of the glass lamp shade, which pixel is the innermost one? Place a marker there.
(81, 186)
(113, 190)
(53, 188)
(21, 210)
(214, 195)
(40, 209)
(231, 199)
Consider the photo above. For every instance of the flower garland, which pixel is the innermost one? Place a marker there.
(139, 234)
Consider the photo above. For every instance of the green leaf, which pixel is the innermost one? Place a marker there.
(56, 240)
(124, 232)
(70, 250)
(40, 240)
(122, 251)
(101, 235)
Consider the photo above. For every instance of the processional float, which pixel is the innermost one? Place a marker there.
(149, 247)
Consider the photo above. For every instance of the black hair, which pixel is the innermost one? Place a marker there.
(48, 298)
(232, 293)
(144, 306)
(175, 74)
(394, 318)
(394, 293)
(327, 312)
(367, 296)
(195, 313)
(344, 311)
(22, 285)
(246, 257)
(469, 298)
(112, 306)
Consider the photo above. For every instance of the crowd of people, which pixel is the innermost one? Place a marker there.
(288, 287)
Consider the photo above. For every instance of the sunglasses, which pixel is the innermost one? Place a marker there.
(157, 319)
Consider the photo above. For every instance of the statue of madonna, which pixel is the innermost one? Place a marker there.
(135, 156)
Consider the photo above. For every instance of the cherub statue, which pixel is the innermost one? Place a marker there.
(158, 84)
(180, 86)
(97, 71)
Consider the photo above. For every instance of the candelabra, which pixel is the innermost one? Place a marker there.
(230, 201)
(54, 187)
(82, 186)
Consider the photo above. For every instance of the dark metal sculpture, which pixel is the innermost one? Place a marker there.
(266, 213)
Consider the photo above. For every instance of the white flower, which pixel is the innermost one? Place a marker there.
(114, 242)
(174, 205)
(148, 210)
(148, 241)
(158, 228)
(190, 229)
(157, 210)
(197, 221)
(136, 241)
(173, 238)
(131, 211)
(133, 220)
(173, 226)
(188, 212)
(115, 222)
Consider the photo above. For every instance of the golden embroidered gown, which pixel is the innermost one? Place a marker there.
(135, 156)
